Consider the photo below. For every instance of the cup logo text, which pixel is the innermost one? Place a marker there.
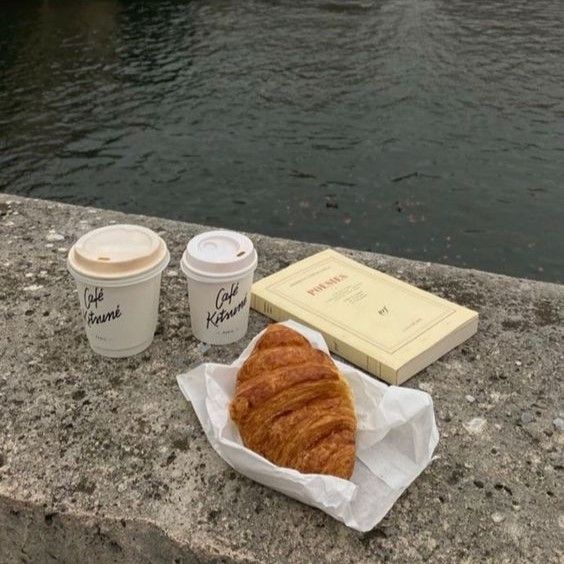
(93, 298)
(226, 306)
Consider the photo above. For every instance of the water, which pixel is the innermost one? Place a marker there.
(431, 129)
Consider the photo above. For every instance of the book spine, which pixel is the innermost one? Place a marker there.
(336, 345)
(262, 306)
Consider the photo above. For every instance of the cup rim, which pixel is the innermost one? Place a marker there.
(210, 277)
(124, 281)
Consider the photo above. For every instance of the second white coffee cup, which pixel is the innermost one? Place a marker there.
(219, 267)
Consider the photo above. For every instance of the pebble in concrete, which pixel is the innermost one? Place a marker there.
(55, 237)
(32, 288)
(475, 426)
(527, 418)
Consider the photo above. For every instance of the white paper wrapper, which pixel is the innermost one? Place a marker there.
(396, 438)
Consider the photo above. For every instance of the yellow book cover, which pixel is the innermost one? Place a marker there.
(383, 325)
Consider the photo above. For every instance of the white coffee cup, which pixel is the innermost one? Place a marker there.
(117, 270)
(219, 267)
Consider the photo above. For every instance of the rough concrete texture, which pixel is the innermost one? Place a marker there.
(104, 461)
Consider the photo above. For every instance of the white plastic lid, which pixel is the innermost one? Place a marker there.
(218, 254)
(117, 252)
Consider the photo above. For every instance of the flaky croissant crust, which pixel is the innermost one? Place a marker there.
(293, 407)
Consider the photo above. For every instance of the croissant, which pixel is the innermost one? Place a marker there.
(293, 407)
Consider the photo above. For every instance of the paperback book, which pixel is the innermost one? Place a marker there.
(385, 326)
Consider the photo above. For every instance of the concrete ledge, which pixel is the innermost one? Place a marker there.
(103, 460)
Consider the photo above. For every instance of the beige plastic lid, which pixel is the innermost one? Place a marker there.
(118, 253)
(218, 255)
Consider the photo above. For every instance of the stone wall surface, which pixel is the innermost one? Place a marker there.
(104, 461)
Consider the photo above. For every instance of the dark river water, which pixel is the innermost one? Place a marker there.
(431, 129)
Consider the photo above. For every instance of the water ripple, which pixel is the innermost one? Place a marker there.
(425, 128)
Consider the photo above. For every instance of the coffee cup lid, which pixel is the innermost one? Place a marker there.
(219, 254)
(116, 252)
